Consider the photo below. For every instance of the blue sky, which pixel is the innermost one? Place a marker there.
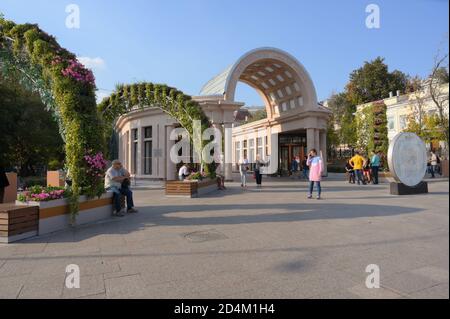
(186, 42)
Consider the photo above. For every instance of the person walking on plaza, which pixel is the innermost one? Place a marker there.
(315, 164)
(375, 166)
(294, 167)
(117, 180)
(367, 172)
(305, 167)
(3, 183)
(258, 165)
(350, 172)
(358, 162)
(434, 164)
(243, 169)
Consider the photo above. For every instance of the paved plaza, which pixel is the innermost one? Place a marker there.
(255, 243)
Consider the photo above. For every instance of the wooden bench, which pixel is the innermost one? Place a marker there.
(18, 222)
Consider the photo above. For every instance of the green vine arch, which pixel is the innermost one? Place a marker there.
(170, 100)
(67, 89)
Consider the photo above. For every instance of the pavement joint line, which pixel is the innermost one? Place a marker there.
(434, 285)
(20, 291)
(403, 294)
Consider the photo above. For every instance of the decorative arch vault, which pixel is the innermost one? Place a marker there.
(279, 78)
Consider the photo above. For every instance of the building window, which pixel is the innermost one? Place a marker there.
(259, 146)
(237, 151)
(391, 123)
(127, 150)
(148, 149)
(403, 122)
(148, 132)
(134, 150)
(266, 143)
(244, 149)
(251, 144)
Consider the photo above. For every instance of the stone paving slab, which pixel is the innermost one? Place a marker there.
(254, 243)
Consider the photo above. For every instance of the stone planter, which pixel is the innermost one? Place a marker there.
(189, 188)
(54, 215)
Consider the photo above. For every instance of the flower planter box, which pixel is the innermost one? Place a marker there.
(444, 168)
(11, 191)
(385, 177)
(18, 222)
(189, 188)
(54, 215)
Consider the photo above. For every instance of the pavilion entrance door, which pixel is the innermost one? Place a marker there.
(291, 146)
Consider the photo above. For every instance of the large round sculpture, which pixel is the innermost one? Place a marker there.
(407, 159)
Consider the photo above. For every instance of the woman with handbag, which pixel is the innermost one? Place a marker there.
(243, 169)
(258, 165)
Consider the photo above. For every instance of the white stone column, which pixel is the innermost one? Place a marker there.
(170, 165)
(317, 140)
(228, 152)
(140, 152)
(310, 139)
(323, 148)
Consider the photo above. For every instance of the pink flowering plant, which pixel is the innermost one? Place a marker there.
(42, 194)
(72, 68)
(94, 174)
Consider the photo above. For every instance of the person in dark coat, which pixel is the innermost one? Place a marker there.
(3, 183)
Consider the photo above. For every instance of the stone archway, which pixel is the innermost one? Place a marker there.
(285, 87)
(276, 75)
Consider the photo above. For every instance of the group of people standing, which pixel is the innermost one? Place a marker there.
(244, 168)
(311, 167)
(363, 171)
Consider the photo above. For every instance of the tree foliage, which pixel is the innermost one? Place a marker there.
(343, 118)
(29, 136)
(373, 82)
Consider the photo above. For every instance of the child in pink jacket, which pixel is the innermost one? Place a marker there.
(315, 165)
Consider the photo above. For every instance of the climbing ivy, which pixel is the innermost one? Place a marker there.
(66, 87)
(170, 100)
(372, 132)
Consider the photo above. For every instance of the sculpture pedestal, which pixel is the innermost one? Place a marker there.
(402, 189)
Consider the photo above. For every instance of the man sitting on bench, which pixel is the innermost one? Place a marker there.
(117, 180)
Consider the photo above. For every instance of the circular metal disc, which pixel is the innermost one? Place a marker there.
(407, 158)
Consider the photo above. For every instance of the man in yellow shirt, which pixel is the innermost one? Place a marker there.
(358, 162)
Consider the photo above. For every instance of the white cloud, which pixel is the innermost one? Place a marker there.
(92, 63)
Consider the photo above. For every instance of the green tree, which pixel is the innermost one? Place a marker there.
(373, 82)
(29, 136)
(258, 115)
(343, 118)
